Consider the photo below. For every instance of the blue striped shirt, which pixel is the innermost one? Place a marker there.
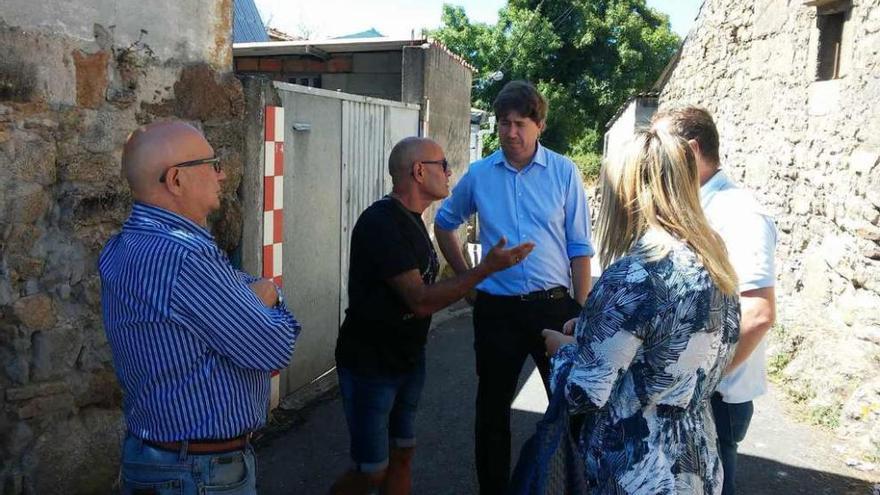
(192, 344)
(543, 203)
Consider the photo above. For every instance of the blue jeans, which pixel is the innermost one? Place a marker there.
(148, 470)
(731, 423)
(380, 410)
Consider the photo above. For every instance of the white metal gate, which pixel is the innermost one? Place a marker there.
(336, 149)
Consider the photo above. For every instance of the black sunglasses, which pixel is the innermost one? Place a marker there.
(443, 162)
(215, 162)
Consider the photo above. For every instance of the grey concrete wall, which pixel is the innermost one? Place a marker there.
(811, 152)
(439, 82)
(380, 85)
(75, 78)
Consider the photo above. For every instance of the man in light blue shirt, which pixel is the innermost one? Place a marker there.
(523, 192)
(749, 234)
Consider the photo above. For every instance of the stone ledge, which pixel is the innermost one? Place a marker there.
(36, 390)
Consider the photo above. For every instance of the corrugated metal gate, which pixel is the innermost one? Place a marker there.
(336, 151)
(364, 155)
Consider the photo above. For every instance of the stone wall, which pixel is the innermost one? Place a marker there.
(809, 149)
(75, 79)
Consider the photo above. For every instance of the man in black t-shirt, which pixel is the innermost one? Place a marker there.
(380, 353)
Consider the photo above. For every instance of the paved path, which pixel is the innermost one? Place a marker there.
(310, 448)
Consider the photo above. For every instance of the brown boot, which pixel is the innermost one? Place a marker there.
(399, 478)
(357, 483)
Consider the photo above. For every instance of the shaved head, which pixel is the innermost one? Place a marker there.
(405, 153)
(152, 149)
(161, 150)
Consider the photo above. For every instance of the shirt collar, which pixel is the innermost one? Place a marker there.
(715, 184)
(540, 157)
(143, 214)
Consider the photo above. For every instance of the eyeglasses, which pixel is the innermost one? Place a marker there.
(214, 162)
(443, 162)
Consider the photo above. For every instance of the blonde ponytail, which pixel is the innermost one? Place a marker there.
(653, 193)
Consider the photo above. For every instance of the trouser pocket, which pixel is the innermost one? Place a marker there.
(232, 473)
(142, 485)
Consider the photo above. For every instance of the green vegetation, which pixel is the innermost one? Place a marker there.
(827, 416)
(589, 164)
(586, 56)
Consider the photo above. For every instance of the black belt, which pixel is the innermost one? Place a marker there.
(538, 295)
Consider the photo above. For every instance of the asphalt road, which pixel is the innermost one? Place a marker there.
(306, 450)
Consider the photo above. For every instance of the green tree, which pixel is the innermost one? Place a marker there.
(586, 56)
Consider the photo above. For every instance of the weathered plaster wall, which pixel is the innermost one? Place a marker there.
(810, 151)
(75, 79)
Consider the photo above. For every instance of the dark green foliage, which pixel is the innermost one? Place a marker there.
(586, 56)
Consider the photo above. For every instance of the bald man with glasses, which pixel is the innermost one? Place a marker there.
(392, 293)
(193, 339)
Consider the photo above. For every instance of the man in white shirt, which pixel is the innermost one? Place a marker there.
(750, 236)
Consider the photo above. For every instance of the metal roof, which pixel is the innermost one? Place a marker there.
(247, 26)
(325, 47)
(329, 46)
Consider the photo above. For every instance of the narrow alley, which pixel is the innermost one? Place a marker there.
(779, 456)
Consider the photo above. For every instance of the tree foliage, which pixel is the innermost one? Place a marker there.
(586, 56)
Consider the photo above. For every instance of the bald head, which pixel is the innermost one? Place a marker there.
(152, 149)
(405, 153)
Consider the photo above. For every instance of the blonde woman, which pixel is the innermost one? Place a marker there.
(656, 332)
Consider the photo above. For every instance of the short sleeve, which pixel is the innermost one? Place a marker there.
(459, 206)
(750, 239)
(577, 217)
(609, 333)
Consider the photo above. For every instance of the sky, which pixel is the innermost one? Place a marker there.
(398, 18)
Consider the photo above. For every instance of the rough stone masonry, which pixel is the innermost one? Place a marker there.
(809, 146)
(74, 81)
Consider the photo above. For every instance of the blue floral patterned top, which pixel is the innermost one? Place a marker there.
(652, 343)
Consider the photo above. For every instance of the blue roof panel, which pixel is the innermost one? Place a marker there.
(247, 26)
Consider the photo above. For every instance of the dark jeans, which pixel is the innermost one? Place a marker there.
(505, 332)
(731, 423)
(380, 410)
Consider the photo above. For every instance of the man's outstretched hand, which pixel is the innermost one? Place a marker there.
(501, 259)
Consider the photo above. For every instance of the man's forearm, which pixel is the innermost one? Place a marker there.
(580, 278)
(445, 292)
(758, 313)
(449, 246)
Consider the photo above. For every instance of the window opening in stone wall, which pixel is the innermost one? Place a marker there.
(831, 20)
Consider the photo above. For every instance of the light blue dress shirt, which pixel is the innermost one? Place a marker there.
(543, 203)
